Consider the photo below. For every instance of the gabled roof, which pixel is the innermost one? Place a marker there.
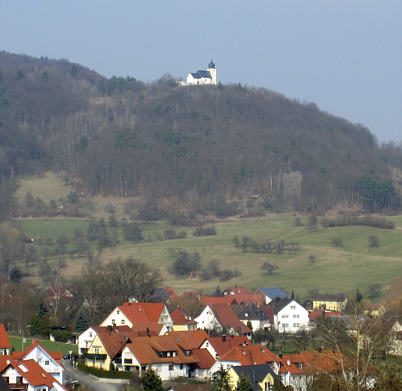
(255, 373)
(4, 341)
(274, 292)
(189, 340)
(22, 355)
(279, 304)
(142, 312)
(228, 318)
(249, 312)
(223, 344)
(250, 355)
(114, 338)
(33, 373)
(147, 350)
(204, 358)
(179, 317)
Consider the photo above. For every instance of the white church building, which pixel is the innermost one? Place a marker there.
(201, 77)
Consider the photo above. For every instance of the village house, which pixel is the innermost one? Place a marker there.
(252, 316)
(329, 302)
(288, 315)
(28, 375)
(261, 377)
(130, 313)
(221, 317)
(246, 354)
(218, 346)
(182, 321)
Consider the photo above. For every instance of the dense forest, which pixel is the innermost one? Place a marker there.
(202, 146)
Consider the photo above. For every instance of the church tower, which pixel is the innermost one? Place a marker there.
(212, 70)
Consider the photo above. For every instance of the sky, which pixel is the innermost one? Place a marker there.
(343, 55)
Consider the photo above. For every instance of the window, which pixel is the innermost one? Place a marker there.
(123, 321)
(292, 307)
(296, 324)
(296, 316)
(188, 353)
(171, 367)
(181, 366)
(47, 362)
(96, 350)
(284, 325)
(90, 335)
(118, 312)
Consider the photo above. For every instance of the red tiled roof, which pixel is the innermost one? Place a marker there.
(189, 340)
(228, 318)
(180, 317)
(146, 350)
(223, 344)
(55, 355)
(4, 341)
(114, 338)
(32, 372)
(146, 329)
(142, 312)
(313, 315)
(248, 298)
(237, 289)
(250, 355)
(208, 300)
(204, 358)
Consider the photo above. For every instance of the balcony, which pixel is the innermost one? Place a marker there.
(95, 356)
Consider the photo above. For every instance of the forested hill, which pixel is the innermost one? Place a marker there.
(124, 137)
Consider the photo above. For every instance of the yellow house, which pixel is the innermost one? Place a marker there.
(182, 321)
(328, 302)
(106, 347)
(261, 376)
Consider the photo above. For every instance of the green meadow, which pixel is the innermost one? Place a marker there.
(318, 264)
(21, 343)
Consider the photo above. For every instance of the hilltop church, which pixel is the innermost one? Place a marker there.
(201, 77)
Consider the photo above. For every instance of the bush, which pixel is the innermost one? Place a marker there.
(185, 263)
(106, 374)
(205, 231)
(374, 241)
(369, 221)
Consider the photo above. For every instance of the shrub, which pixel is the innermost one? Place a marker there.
(205, 231)
(337, 242)
(374, 241)
(107, 374)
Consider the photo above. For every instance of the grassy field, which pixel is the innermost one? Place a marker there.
(19, 345)
(333, 269)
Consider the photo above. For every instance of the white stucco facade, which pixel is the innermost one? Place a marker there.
(291, 318)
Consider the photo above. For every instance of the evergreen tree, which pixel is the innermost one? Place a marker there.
(220, 381)
(151, 381)
(82, 322)
(244, 384)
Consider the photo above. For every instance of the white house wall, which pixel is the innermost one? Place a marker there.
(85, 340)
(207, 320)
(291, 318)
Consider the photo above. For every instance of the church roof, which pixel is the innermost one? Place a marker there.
(211, 64)
(200, 74)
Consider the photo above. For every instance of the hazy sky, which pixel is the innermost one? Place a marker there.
(344, 55)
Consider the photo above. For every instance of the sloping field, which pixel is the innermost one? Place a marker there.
(318, 265)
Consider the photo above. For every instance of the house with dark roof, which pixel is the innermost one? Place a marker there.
(270, 294)
(262, 377)
(252, 316)
(288, 315)
(246, 354)
(329, 302)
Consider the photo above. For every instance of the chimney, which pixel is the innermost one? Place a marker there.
(148, 333)
(224, 338)
(110, 329)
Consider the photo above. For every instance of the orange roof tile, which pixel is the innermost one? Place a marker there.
(180, 317)
(189, 340)
(250, 355)
(224, 344)
(147, 349)
(208, 300)
(4, 341)
(142, 312)
(313, 315)
(228, 318)
(204, 358)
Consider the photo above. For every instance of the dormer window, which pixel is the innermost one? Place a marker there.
(188, 353)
